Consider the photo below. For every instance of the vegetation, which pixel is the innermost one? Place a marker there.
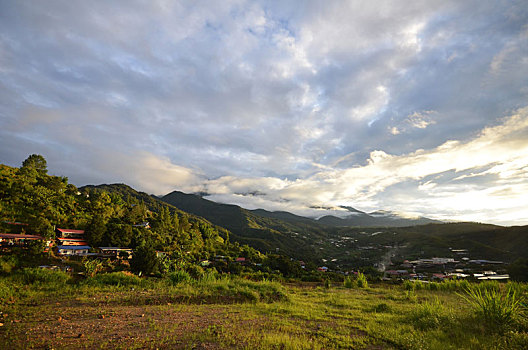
(122, 310)
(499, 309)
(121, 218)
(192, 284)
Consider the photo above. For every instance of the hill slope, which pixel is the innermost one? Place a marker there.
(292, 235)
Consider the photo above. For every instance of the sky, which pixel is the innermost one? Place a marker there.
(417, 107)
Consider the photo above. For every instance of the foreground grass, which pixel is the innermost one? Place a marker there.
(121, 311)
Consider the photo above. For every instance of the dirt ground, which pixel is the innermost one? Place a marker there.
(80, 326)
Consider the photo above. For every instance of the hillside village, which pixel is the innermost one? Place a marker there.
(64, 226)
(71, 243)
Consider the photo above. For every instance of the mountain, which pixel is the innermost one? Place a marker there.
(346, 239)
(341, 246)
(380, 218)
(267, 231)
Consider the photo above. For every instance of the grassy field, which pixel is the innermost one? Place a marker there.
(48, 310)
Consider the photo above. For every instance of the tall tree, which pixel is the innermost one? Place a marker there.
(145, 260)
(36, 162)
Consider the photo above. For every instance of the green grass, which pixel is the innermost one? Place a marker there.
(217, 311)
(499, 309)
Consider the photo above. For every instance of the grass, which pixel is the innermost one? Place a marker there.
(499, 309)
(219, 312)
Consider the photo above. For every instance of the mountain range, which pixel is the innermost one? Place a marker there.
(358, 239)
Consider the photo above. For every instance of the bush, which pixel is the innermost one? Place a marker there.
(428, 315)
(7, 264)
(179, 276)
(144, 260)
(348, 283)
(115, 279)
(408, 285)
(382, 307)
(497, 309)
(209, 276)
(361, 281)
(38, 275)
(195, 271)
(92, 267)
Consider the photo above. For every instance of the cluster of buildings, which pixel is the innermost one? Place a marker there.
(68, 242)
(440, 269)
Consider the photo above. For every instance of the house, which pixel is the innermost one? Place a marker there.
(14, 239)
(494, 277)
(116, 252)
(69, 233)
(395, 274)
(240, 260)
(71, 241)
(79, 250)
(322, 269)
(439, 276)
(144, 224)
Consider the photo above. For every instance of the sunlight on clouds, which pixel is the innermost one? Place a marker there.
(149, 172)
(416, 120)
(365, 185)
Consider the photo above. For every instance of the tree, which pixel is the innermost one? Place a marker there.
(518, 270)
(96, 230)
(145, 260)
(92, 267)
(36, 162)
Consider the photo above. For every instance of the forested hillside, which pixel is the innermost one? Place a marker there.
(119, 218)
(292, 235)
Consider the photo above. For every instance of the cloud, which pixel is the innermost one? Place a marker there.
(501, 150)
(417, 120)
(276, 97)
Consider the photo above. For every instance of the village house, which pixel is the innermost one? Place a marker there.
(78, 250)
(395, 275)
(69, 233)
(116, 252)
(14, 239)
(71, 241)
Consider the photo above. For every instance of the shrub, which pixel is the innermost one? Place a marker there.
(348, 283)
(144, 260)
(497, 309)
(38, 275)
(179, 276)
(209, 276)
(92, 267)
(428, 315)
(382, 307)
(7, 264)
(408, 285)
(195, 271)
(361, 281)
(115, 279)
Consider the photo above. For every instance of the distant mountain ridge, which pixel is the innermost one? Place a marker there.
(262, 229)
(379, 218)
(313, 240)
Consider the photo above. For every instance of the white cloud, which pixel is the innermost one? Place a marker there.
(342, 102)
(503, 148)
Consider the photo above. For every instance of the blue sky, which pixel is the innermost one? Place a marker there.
(419, 107)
